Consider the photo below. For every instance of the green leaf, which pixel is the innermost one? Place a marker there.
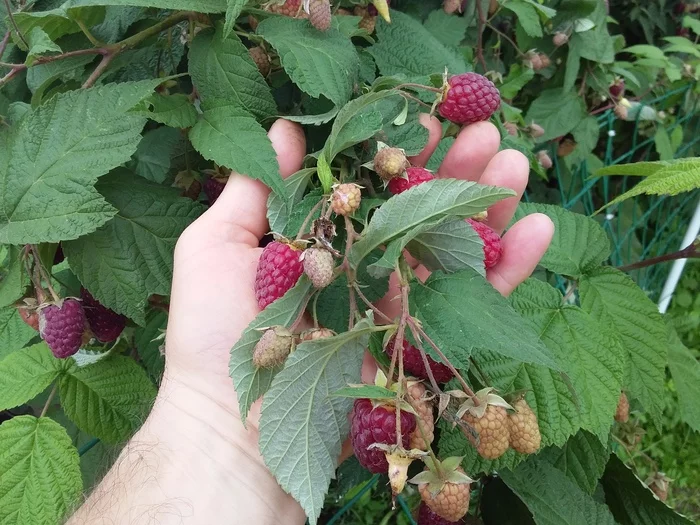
(12, 279)
(411, 135)
(233, 11)
(108, 399)
(222, 69)
(447, 29)
(582, 458)
(527, 16)
(618, 303)
(26, 374)
(579, 243)
(131, 257)
(148, 340)
(552, 497)
(60, 21)
(314, 120)
(637, 169)
(450, 247)
(39, 43)
(517, 77)
(405, 47)
(279, 210)
(596, 44)
(154, 153)
(302, 428)
(46, 190)
(41, 471)
(174, 110)
(663, 144)
(318, 62)
(631, 502)
(573, 65)
(692, 23)
(252, 382)
(685, 370)
(586, 135)
(199, 6)
(459, 311)
(358, 120)
(41, 76)
(364, 391)
(439, 154)
(557, 111)
(587, 352)
(231, 137)
(429, 202)
(14, 332)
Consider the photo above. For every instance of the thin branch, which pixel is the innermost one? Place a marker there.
(418, 86)
(364, 299)
(49, 399)
(349, 272)
(3, 44)
(424, 357)
(507, 38)
(415, 99)
(308, 219)
(101, 67)
(689, 252)
(480, 34)
(14, 23)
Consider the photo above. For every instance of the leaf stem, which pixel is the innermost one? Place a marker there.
(418, 86)
(94, 41)
(690, 252)
(14, 23)
(101, 67)
(49, 399)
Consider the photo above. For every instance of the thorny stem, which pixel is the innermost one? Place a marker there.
(351, 235)
(49, 399)
(480, 34)
(449, 365)
(507, 38)
(690, 252)
(14, 23)
(44, 274)
(376, 310)
(398, 348)
(305, 224)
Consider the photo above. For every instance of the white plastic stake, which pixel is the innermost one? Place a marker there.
(677, 269)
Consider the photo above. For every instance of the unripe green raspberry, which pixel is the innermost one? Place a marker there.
(319, 14)
(346, 198)
(316, 334)
(390, 163)
(273, 347)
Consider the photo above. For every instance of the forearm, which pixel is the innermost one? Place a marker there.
(191, 462)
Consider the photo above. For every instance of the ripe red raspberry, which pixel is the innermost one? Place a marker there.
(213, 187)
(320, 14)
(261, 59)
(617, 89)
(414, 177)
(105, 324)
(427, 517)
(469, 98)
(279, 269)
(319, 266)
(369, 425)
(413, 363)
(492, 243)
(61, 326)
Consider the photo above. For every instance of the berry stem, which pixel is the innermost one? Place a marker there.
(415, 99)
(424, 357)
(305, 224)
(49, 399)
(43, 273)
(350, 238)
(376, 310)
(507, 38)
(449, 365)
(8, 8)
(418, 86)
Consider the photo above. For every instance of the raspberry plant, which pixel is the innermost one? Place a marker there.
(121, 122)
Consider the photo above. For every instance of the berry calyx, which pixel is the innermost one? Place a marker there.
(213, 187)
(469, 98)
(444, 488)
(273, 347)
(493, 249)
(413, 363)
(319, 266)
(524, 429)
(61, 325)
(423, 435)
(345, 199)
(489, 420)
(279, 269)
(390, 163)
(372, 424)
(105, 324)
(319, 13)
(622, 412)
(414, 177)
(261, 59)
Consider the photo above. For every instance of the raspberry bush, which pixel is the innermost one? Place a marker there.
(121, 123)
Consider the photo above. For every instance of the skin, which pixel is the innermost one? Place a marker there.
(193, 461)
